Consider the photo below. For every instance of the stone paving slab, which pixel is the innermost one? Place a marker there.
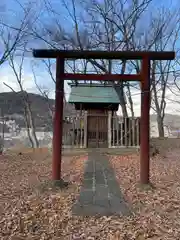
(100, 193)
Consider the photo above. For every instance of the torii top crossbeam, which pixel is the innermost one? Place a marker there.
(126, 55)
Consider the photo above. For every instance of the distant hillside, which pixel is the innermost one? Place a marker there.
(11, 105)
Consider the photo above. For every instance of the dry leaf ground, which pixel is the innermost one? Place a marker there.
(156, 209)
(28, 211)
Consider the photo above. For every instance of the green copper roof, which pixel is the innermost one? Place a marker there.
(93, 94)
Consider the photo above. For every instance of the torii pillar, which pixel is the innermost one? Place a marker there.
(58, 120)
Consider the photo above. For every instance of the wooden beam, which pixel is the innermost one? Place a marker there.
(102, 77)
(77, 54)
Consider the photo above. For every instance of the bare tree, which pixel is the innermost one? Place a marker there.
(161, 71)
(118, 25)
(12, 36)
(107, 26)
(28, 115)
(45, 93)
(160, 34)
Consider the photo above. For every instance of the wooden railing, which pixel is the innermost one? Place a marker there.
(74, 132)
(125, 132)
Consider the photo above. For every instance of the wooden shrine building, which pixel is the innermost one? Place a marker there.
(96, 101)
(97, 124)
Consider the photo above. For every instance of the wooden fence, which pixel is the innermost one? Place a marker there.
(123, 132)
(73, 132)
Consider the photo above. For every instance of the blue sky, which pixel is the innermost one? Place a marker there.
(42, 77)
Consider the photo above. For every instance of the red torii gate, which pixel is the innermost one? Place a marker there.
(143, 76)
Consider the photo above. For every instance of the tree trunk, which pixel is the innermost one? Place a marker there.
(123, 107)
(120, 88)
(160, 126)
(2, 134)
(27, 127)
(130, 101)
(131, 107)
(32, 125)
(121, 92)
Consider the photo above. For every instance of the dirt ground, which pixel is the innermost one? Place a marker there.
(31, 210)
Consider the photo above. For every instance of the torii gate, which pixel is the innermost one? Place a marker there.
(143, 77)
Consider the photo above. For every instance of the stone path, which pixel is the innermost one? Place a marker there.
(100, 193)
